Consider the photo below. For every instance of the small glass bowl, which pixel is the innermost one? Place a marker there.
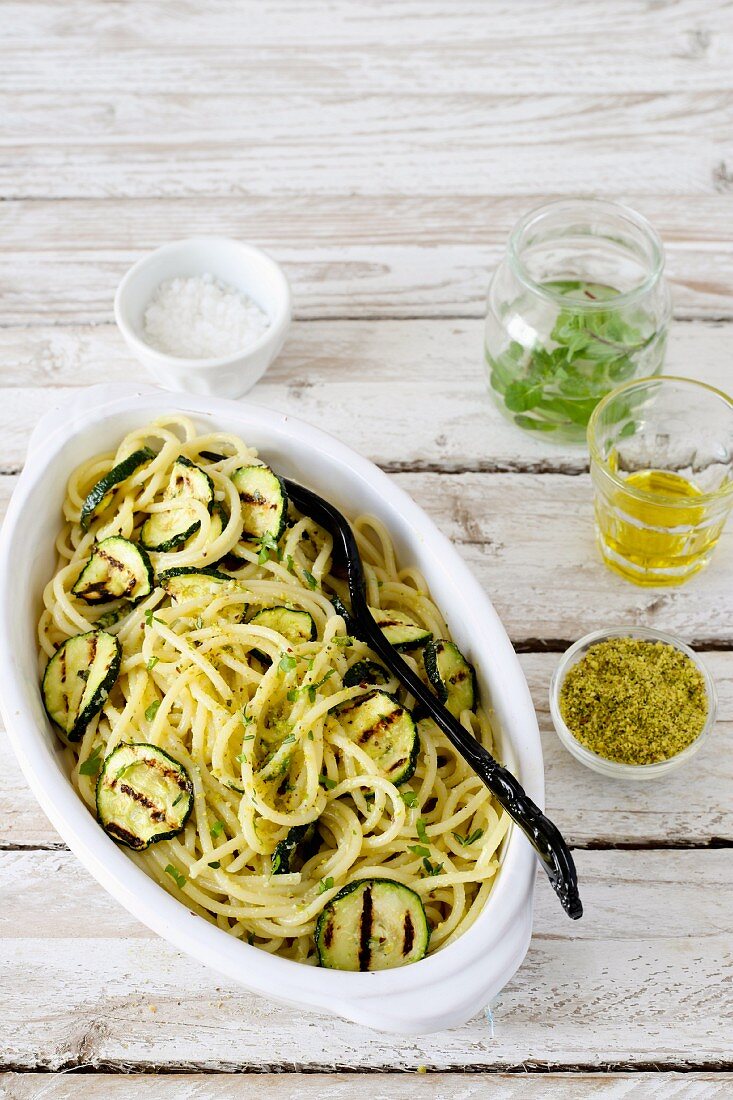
(613, 767)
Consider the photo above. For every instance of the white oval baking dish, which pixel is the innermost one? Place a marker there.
(443, 990)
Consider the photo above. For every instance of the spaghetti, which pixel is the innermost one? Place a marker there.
(261, 721)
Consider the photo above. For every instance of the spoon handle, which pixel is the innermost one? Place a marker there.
(543, 835)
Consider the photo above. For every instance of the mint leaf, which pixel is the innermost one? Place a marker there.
(287, 663)
(409, 798)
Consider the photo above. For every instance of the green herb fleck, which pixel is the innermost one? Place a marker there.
(466, 840)
(409, 798)
(152, 710)
(312, 582)
(287, 662)
(152, 663)
(178, 878)
(421, 831)
(217, 828)
(93, 762)
(432, 868)
(327, 783)
(418, 850)
(325, 884)
(216, 864)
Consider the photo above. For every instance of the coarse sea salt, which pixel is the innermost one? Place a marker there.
(201, 318)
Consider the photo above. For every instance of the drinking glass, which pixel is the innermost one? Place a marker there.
(661, 460)
(577, 306)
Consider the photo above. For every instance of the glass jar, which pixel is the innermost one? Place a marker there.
(577, 306)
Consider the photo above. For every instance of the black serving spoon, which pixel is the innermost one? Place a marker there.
(544, 837)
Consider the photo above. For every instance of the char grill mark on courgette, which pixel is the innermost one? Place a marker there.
(78, 679)
(296, 626)
(385, 729)
(189, 583)
(110, 481)
(451, 675)
(143, 795)
(399, 629)
(372, 924)
(264, 502)
(163, 531)
(117, 569)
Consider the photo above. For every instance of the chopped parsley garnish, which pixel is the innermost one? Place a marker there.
(293, 695)
(152, 710)
(93, 762)
(470, 839)
(287, 662)
(327, 783)
(312, 582)
(152, 663)
(217, 828)
(325, 884)
(421, 831)
(178, 878)
(268, 542)
(150, 618)
(419, 850)
(409, 798)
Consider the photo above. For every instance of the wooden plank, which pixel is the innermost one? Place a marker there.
(347, 255)
(437, 415)
(691, 807)
(378, 1086)
(406, 47)
(159, 108)
(529, 540)
(93, 987)
(121, 143)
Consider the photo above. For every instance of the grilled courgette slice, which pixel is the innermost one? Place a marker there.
(385, 729)
(302, 842)
(190, 583)
(143, 795)
(295, 626)
(264, 502)
(373, 924)
(78, 679)
(110, 481)
(117, 569)
(367, 672)
(163, 531)
(399, 629)
(451, 675)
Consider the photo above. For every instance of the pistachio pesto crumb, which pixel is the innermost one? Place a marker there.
(634, 701)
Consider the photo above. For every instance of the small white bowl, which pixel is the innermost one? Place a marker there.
(242, 266)
(614, 768)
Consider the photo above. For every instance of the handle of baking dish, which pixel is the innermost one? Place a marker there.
(71, 407)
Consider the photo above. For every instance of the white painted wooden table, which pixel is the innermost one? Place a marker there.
(382, 151)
